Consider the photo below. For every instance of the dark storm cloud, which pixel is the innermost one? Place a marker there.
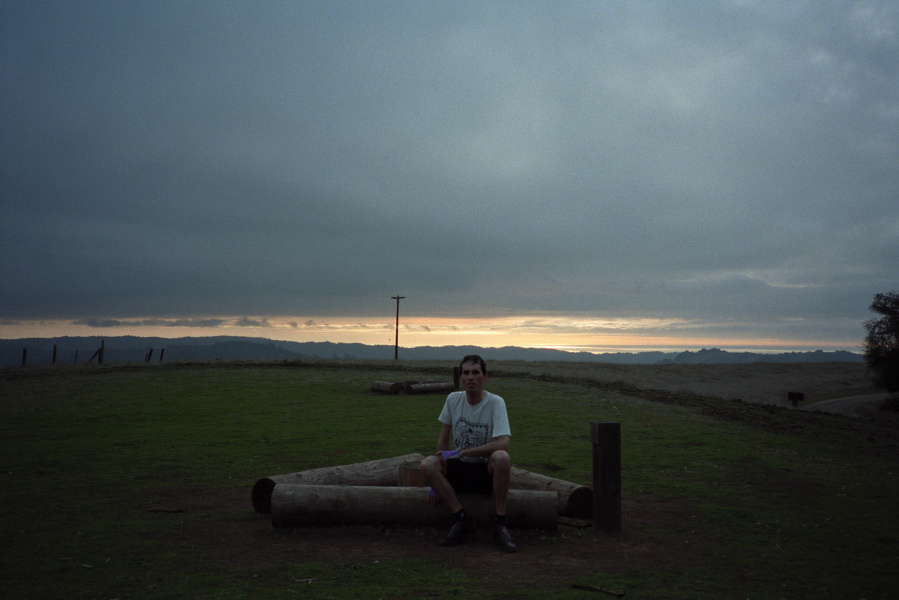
(151, 323)
(715, 161)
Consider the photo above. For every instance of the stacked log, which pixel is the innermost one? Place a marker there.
(392, 489)
(382, 472)
(426, 387)
(575, 501)
(411, 387)
(410, 475)
(317, 505)
(387, 387)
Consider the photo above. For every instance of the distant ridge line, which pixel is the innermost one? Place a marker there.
(134, 349)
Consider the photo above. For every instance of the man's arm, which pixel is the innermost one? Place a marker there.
(499, 443)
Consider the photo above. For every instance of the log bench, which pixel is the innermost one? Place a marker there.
(393, 489)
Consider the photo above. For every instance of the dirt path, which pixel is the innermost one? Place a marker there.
(242, 539)
(851, 406)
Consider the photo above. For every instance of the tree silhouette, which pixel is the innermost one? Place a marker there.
(882, 342)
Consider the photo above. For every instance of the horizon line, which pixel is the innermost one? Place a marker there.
(566, 348)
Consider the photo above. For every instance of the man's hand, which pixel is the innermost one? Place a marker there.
(433, 498)
(449, 454)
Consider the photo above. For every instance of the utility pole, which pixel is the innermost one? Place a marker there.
(396, 350)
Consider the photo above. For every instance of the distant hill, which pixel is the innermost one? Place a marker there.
(135, 349)
(715, 356)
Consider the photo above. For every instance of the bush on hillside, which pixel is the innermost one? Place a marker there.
(882, 342)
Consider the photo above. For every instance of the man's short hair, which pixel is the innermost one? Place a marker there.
(474, 358)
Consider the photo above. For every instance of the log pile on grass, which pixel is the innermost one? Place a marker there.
(412, 387)
(393, 490)
(313, 505)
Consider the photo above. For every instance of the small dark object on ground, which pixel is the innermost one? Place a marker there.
(593, 588)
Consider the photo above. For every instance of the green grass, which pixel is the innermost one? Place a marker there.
(735, 500)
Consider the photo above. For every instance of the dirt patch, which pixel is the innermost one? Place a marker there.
(238, 539)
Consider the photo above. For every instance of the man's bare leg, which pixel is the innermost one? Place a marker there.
(500, 466)
(434, 471)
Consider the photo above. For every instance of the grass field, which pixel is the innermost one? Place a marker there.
(134, 482)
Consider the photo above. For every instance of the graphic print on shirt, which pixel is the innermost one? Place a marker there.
(468, 434)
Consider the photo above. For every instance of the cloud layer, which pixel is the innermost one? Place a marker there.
(730, 164)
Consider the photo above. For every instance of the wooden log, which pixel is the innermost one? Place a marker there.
(425, 388)
(317, 505)
(575, 500)
(410, 475)
(386, 386)
(382, 472)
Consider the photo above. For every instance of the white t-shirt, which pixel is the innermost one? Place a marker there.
(475, 425)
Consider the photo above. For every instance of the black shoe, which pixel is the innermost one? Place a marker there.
(504, 539)
(461, 530)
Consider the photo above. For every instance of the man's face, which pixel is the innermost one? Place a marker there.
(472, 377)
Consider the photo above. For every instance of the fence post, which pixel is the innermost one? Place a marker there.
(161, 354)
(606, 438)
(24, 356)
(54, 354)
(102, 352)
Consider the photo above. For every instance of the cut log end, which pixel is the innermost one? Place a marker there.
(580, 504)
(262, 495)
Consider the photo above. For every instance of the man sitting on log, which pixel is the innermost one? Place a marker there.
(478, 461)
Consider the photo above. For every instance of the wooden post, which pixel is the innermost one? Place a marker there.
(75, 362)
(54, 354)
(606, 438)
(102, 351)
(161, 353)
(24, 356)
(149, 355)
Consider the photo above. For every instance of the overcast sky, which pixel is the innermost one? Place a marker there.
(727, 169)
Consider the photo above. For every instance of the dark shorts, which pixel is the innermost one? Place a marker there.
(469, 477)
